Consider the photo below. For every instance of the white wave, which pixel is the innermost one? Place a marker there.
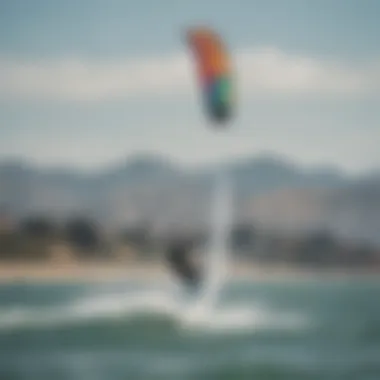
(87, 308)
(190, 317)
(240, 318)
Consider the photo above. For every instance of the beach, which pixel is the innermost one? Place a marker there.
(119, 270)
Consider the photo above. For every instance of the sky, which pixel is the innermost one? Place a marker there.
(87, 84)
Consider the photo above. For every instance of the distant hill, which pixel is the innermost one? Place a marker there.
(271, 191)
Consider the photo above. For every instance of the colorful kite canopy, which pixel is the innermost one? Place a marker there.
(214, 71)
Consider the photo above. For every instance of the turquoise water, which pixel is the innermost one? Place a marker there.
(129, 330)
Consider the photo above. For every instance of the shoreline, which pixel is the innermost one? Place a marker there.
(116, 271)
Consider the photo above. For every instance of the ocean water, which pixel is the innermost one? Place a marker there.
(318, 329)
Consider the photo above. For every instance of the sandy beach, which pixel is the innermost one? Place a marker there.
(112, 271)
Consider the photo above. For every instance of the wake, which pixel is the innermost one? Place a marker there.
(217, 250)
(131, 306)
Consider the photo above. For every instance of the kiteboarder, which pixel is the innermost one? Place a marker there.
(179, 257)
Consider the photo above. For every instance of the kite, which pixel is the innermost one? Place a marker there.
(214, 72)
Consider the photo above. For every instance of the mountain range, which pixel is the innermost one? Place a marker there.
(269, 190)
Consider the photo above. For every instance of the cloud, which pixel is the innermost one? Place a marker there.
(273, 71)
(265, 71)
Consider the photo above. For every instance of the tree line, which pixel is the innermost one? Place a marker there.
(32, 239)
